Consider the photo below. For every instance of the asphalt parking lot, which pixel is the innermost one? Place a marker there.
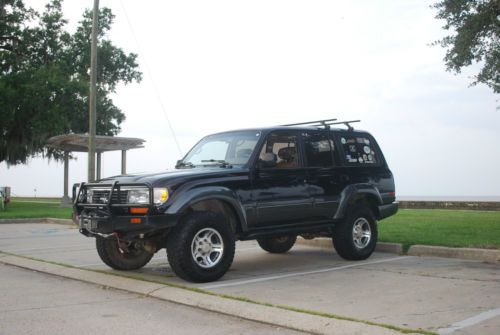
(447, 296)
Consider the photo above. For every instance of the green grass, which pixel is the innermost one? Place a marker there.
(442, 227)
(35, 208)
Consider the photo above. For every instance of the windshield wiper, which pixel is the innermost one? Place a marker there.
(221, 162)
(184, 164)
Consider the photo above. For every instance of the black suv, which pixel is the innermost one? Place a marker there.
(269, 184)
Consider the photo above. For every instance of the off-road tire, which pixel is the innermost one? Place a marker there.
(344, 236)
(180, 242)
(277, 245)
(110, 254)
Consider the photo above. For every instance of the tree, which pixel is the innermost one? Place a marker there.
(44, 78)
(475, 38)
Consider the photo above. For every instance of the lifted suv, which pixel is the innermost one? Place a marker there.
(268, 184)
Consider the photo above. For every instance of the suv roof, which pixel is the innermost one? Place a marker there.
(311, 125)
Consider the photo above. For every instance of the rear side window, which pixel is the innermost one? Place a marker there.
(358, 149)
(318, 149)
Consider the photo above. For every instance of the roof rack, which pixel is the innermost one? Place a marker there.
(323, 123)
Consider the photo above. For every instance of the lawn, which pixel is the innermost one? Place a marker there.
(35, 208)
(450, 228)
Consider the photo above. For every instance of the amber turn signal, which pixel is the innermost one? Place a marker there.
(138, 210)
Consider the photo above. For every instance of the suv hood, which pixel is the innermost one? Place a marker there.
(162, 178)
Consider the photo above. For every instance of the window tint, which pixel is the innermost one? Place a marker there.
(232, 147)
(358, 149)
(242, 151)
(318, 149)
(283, 148)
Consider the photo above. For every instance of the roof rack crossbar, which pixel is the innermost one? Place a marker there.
(321, 122)
(347, 123)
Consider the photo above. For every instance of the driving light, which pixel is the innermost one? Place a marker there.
(160, 195)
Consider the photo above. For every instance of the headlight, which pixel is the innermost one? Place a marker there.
(90, 195)
(160, 196)
(138, 196)
(97, 195)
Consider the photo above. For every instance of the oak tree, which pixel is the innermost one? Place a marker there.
(474, 27)
(44, 78)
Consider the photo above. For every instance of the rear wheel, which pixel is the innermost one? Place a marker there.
(201, 247)
(356, 237)
(277, 245)
(122, 255)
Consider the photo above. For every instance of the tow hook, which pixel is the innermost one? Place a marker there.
(115, 234)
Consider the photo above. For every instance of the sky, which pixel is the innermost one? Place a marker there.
(211, 66)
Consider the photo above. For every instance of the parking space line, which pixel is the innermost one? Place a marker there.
(248, 249)
(295, 274)
(470, 321)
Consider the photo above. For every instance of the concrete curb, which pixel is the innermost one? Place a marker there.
(38, 220)
(244, 310)
(326, 243)
(485, 255)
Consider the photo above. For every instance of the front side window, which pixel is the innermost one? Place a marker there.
(233, 148)
(280, 151)
(358, 149)
(318, 149)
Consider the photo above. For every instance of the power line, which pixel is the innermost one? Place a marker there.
(148, 72)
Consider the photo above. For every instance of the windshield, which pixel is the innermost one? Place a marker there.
(233, 148)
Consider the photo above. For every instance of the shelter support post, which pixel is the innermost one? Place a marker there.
(98, 169)
(124, 161)
(66, 201)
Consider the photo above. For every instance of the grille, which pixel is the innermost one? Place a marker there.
(101, 197)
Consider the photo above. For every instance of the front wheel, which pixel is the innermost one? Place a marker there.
(277, 245)
(356, 237)
(201, 247)
(122, 255)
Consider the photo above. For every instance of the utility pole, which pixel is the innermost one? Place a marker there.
(93, 93)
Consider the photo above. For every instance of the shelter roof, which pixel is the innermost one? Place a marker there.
(80, 143)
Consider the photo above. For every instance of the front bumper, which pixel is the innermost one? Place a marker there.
(113, 216)
(91, 224)
(385, 211)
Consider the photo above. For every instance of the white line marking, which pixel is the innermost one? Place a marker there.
(470, 321)
(248, 249)
(295, 274)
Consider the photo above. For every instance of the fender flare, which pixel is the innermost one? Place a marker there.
(353, 192)
(192, 196)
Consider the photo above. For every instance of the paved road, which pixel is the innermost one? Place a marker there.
(35, 303)
(436, 294)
